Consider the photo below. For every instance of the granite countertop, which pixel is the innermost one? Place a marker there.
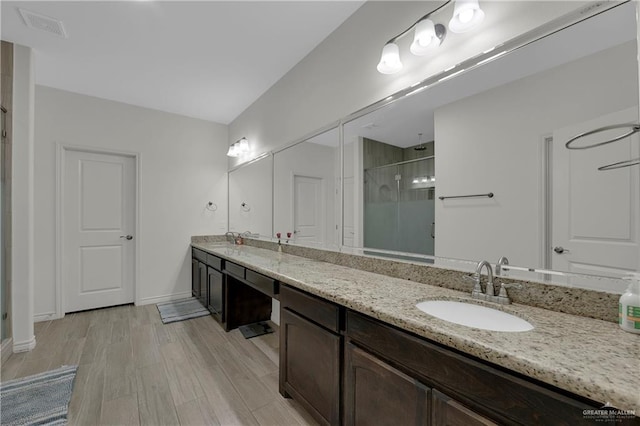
(589, 357)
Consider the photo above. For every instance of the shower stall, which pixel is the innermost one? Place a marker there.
(399, 207)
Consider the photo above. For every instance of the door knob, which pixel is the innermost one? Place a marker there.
(560, 250)
(128, 237)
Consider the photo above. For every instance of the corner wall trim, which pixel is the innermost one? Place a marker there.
(165, 298)
(6, 349)
(24, 346)
(46, 317)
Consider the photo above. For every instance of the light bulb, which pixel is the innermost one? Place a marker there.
(390, 59)
(244, 145)
(466, 16)
(425, 39)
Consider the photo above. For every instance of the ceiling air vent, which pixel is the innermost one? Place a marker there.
(43, 23)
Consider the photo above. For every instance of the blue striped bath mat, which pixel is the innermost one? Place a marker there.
(179, 310)
(41, 399)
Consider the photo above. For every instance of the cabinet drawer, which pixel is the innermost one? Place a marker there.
(311, 307)
(199, 254)
(262, 283)
(214, 261)
(235, 270)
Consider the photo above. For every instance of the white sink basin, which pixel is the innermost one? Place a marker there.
(473, 315)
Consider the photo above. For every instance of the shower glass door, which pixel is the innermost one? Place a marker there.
(399, 207)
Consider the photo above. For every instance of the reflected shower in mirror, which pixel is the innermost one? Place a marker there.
(500, 127)
(306, 196)
(250, 197)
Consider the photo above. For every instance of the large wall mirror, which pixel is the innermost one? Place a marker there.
(491, 141)
(499, 126)
(251, 197)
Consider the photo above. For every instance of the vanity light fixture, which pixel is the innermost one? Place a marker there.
(466, 16)
(238, 148)
(429, 35)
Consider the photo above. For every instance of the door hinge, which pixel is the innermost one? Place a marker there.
(5, 316)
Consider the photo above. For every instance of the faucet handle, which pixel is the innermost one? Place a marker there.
(475, 278)
(504, 287)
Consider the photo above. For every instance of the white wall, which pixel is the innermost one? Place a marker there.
(501, 132)
(183, 165)
(22, 193)
(339, 77)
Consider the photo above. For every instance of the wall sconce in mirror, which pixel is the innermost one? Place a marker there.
(429, 35)
(238, 148)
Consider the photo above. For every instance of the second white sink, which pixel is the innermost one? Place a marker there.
(472, 315)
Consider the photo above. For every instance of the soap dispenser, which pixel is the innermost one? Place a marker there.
(629, 307)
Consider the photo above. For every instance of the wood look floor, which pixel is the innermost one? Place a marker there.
(134, 370)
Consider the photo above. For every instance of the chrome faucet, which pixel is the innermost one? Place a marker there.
(489, 293)
(501, 262)
(231, 237)
(489, 287)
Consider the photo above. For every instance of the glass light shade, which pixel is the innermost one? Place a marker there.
(390, 60)
(244, 145)
(234, 150)
(425, 39)
(466, 15)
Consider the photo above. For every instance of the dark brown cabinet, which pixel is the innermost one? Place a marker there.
(195, 277)
(449, 412)
(202, 283)
(234, 295)
(465, 390)
(199, 275)
(310, 356)
(215, 292)
(378, 394)
(207, 284)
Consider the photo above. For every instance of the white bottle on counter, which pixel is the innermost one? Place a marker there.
(629, 306)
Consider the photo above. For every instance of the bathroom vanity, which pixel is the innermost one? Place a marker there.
(354, 349)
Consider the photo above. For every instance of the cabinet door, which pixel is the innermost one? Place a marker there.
(310, 366)
(202, 288)
(378, 394)
(214, 303)
(449, 412)
(195, 278)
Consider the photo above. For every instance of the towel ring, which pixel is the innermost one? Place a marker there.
(620, 164)
(211, 206)
(634, 129)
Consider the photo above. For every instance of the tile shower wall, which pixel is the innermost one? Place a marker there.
(398, 206)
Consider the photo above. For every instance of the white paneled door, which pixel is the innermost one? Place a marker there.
(308, 209)
(596, 214)
(98, 230)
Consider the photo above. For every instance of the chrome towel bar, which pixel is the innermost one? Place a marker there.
(488, 195)
(620, 164)
(633, 128)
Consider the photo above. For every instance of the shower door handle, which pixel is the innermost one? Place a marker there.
(433, 230)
